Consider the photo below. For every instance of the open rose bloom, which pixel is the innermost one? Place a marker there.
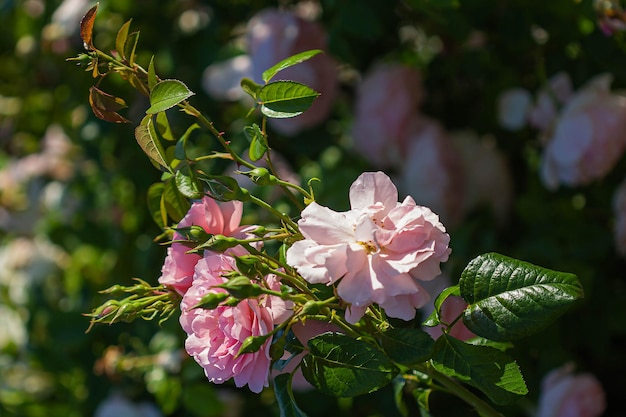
(378, 251)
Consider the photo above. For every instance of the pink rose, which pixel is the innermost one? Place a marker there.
(214, 337)
(274, 35)
(386, 102)
(488, 180)
(433, 172)
(564, 394)
(558, 91)
(377, 251)
(588, 137)
(214, 218)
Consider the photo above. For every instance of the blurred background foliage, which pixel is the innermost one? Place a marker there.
(73, 217)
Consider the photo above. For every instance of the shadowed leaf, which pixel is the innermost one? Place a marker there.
(86, 27)
(105, 106)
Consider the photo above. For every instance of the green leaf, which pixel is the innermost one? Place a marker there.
(163, 126)
(187, 183)
(149, 141)
(154, 197)
(289, 62)
(250, 87)
(510, 299)
(341, 366)
(130, 46)
(174, 202)
(152, 77)
(284, 396)
(120, 39)
(258, 142)
(422, 397)
(282, 99)
(181, 146)
(407, 346)
(488, 369)
(435, 317)
(166, 94)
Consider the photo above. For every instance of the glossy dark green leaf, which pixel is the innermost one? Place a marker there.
(289, 62)
(490, 370)
(167, 94)
(150, 143)
(341, 366)
(284, 397)
(283, 99)
(510, 299)
(407, 346)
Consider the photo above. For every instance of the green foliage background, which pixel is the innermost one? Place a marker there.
(103, 228)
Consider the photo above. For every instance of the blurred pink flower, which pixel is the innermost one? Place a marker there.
(451, 308)
(548, 101)
(214, 337)
(387, 100)
(564, 394)
(588, 137)
(487, 176)
(378, 250)
(513, 106)
(433, 172)
(274, 35)
(214, 218)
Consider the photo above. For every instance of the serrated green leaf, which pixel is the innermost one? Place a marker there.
(130, 46)
(283, 99)
(174, 202)
(407, 346)
(284, 396)
(120, 39)
(167, 94)
(152, 77)
(341, 366)
(187, 183)
(258, 142)
(488, 369)
(154, 197)
(150, 143)
(289, 62)
(510, 299)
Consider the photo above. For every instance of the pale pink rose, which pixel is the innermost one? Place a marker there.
(274, 35)
(387, 100)
(377, 251)
(214, 337)
(588, 137)
(215, 218)
(488, 180)
(619, 211)
(545, 109)
(565, 394)
(433, 172)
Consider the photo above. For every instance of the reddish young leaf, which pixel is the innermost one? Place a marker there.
(86, 27)
(105, 106)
